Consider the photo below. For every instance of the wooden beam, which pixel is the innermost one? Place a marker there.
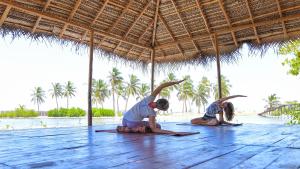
(62, 20)
(135, 21)
(205, 20)
(186, 29)
(170, 33)
(117, 21)
(221, 2)
(280, 14)
(39, 18)
(94, 20)
(70, 17)
(90, 118)
(234, 28)
(148, 27)
(153, 44)
(251, 17)
(99, 12)
(4, 15)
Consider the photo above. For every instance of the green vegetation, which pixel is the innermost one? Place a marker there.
(115, 78)
(63, 112)
(69, 91)
(104, 112)
(291, 48)
(19, 112)
(272, 101)
(225, 87)
(38, 96)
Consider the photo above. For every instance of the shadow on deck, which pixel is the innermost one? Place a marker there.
(247, 146)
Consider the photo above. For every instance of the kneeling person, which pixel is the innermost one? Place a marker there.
(217, 107)
(134, 117)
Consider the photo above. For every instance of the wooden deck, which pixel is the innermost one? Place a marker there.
(248, 146)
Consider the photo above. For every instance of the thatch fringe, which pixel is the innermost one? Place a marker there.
(200, 59)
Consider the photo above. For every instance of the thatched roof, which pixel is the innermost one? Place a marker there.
(184, 29)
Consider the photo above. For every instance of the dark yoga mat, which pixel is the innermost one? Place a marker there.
(177, 134)
(189, 124)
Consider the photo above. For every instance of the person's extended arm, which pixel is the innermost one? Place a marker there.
(229, 97)
(160, 87)
(152, 123)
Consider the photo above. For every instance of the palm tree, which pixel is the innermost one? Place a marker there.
(225, 87)
(56, 92)
(120, 91)
(143, 91)
(185, 91)
(38, 96)
(115, 78)
(100, 91)
(69, 91)
(132, 87)
(202, 93)
(272, 101)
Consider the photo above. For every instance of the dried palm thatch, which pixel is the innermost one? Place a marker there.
(178, 31)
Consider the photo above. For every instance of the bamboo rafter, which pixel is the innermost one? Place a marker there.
(4, 15)
(186, 29)
(70, 17)
(122, 31)
(251, 18)
(170, 33)
(205, 22)
(234, 28)
(280, 14)
(135, 21)
(148, 27)
(95, 19)
(62, 20)
(228, 21)
(132, 25)
(39, 17)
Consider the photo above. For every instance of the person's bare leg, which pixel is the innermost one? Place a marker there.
(200, 121)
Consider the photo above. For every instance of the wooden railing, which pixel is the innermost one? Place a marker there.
(281, 111)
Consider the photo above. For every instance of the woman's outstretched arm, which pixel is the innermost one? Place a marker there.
(229, 97)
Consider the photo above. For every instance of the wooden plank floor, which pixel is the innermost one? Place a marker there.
(247, 146)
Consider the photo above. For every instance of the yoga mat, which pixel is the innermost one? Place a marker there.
(189, 124)
(177, 133)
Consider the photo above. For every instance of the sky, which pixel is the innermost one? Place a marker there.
(25, 64)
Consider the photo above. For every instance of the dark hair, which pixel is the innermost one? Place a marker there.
(229, 111)
(162, 104)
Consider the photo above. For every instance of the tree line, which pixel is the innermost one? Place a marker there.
(118, 88)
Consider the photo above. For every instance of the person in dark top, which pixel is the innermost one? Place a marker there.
(218, 107)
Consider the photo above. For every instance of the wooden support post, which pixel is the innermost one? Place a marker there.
(152, 70)
(153, 45)
(218, 66)
(90, 120)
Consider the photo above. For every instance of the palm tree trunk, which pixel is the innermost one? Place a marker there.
(199, 109)
(126, 102)
(56, 102)
(113, 92)
(38, 108)
(118, 103)
(67, 102)
(185, 105)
